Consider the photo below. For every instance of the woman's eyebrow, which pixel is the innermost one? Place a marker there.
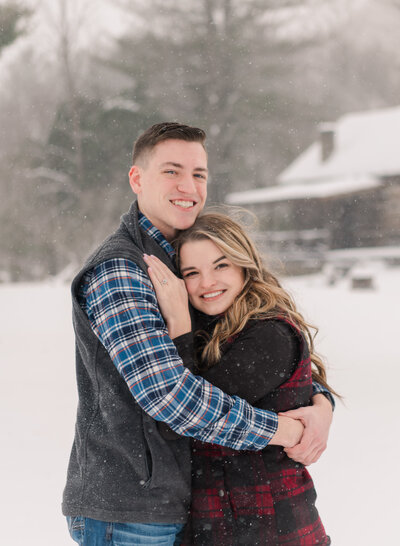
(219, 259)
(193, 267)
(187, 268)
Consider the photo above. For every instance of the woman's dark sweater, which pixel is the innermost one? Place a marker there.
(244, 497)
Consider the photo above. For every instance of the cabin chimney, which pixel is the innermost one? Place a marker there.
(327, 140)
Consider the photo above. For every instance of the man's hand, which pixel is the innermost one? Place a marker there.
(317, 420)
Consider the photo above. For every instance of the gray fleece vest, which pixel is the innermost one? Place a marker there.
(121, 469)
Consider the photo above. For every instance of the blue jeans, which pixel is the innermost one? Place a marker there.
(91, 532)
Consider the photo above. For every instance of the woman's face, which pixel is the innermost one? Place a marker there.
(212, 281)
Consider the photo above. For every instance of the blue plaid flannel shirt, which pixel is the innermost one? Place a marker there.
(121, 305)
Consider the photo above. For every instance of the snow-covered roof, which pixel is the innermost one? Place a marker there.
(316, 190)
(366, 147)
(365, 143)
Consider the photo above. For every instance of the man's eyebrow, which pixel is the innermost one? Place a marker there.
(172, 164)
(180, 166)
(192, 266)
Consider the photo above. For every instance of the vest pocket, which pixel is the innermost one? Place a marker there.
(149, 466)
(168, 462)
(148, 459)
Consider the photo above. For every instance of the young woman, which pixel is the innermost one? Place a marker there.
(251, 341)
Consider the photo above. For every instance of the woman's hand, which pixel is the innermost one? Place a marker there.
(171, 295)
(289, 432)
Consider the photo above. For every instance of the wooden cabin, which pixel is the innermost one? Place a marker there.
(342, 192)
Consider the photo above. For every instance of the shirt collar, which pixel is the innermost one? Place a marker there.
(156, 234)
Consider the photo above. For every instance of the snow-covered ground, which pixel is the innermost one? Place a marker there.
(357, 479)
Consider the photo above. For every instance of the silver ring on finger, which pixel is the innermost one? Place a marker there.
(164, 281)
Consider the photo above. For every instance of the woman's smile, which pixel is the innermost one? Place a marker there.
(211, 296)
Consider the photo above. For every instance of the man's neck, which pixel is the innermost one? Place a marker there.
(168, 234)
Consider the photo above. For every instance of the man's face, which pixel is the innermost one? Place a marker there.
(171, 185)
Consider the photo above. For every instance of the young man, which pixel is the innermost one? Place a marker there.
(129, 477)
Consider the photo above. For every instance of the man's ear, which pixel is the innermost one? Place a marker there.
(135, 179)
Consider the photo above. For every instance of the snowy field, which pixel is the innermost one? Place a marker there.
(357, 479)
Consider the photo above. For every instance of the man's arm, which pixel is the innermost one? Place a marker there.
(320, 389)
(123, 311)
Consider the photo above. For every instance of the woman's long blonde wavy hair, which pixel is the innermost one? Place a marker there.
(262, 296)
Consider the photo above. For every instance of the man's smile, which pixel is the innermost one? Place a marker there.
(183, 203)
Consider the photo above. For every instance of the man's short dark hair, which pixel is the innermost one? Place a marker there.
(165, 131)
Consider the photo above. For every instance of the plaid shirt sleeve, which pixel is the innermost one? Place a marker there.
(320, 389)
(121, 304)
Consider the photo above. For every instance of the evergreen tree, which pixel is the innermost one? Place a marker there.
(219, 64)
(11, 17)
